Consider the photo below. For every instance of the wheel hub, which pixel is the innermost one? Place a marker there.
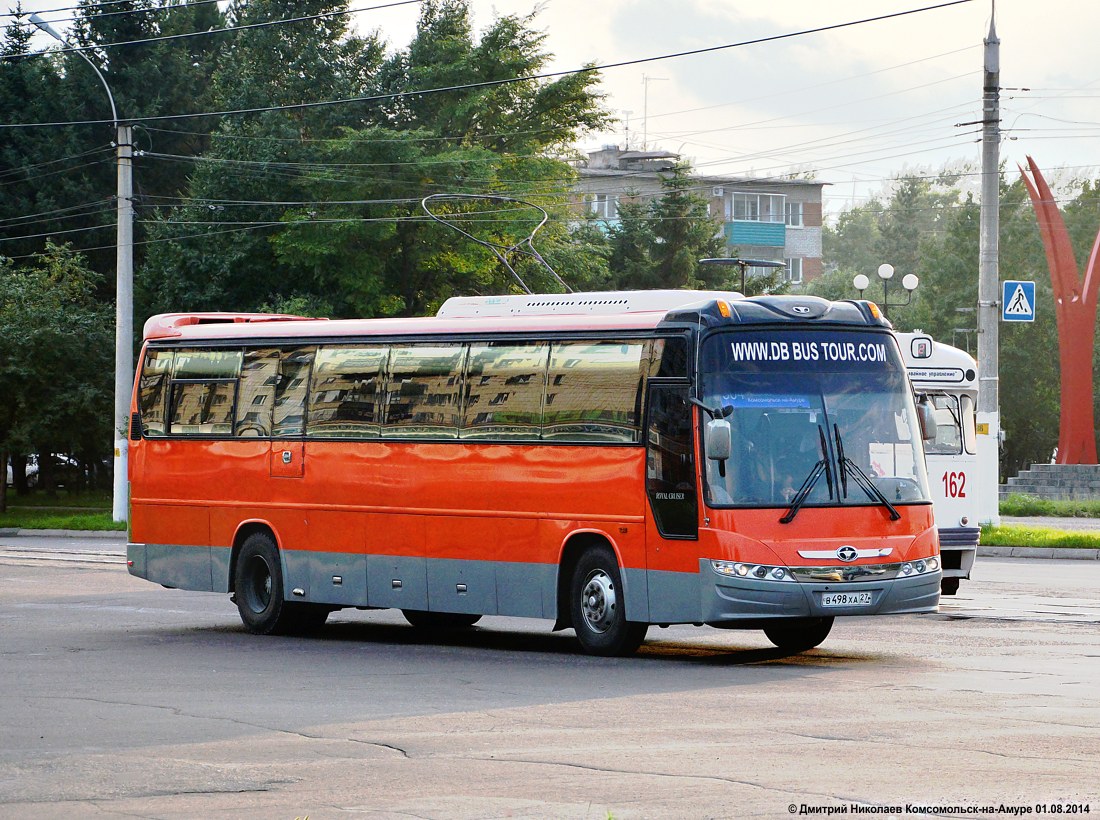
(599, 602)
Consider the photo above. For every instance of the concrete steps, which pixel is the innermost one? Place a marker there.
(1071, 482)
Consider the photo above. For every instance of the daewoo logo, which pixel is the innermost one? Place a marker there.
(847, 554)
(801, 310)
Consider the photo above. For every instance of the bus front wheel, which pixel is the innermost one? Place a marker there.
(799, 634)
(258, 588)
(599, 612)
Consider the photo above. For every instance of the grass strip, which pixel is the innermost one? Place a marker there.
(1015, 536)
(31, 519)
(1018, 504)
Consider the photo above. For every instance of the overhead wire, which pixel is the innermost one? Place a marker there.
(510, 80)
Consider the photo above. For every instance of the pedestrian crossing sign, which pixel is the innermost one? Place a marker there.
(1017, 301)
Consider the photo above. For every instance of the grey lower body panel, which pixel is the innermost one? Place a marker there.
(528, 590)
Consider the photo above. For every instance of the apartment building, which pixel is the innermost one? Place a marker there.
(762, 217)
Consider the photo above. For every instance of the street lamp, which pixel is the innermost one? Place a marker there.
(886, 272)
(124, 289)
(743, 264)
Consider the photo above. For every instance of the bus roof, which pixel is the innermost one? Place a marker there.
(579, 312)
(251, 326)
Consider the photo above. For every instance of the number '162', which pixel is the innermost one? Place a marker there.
(954, 485)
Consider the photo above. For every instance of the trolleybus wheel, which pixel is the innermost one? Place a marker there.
(949, 586)
(258, 586)
(439, 621)
(599, 614)
(798, 634)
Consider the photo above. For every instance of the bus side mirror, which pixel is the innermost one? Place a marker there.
(719, 442)
(926, 411)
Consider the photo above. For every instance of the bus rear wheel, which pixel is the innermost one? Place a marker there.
(949, 586)
(258, 590)
(799, 634)
(598, 607)
(439, 621)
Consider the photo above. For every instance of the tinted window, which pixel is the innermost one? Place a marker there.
(347, 385)
(204, 388)
(593, 391)
(291, 390)
(256, 397)
(153, 391)
(670, 462)
(422, 391)
(505, 384)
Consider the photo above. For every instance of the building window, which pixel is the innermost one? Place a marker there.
(794, 214)
(604, 206)
(793, 274)
(759, 208)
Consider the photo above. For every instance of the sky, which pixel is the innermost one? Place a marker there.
(853, 107)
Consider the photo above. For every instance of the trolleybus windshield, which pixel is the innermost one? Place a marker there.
(827, 413)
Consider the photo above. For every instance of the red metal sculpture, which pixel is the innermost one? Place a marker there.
(1075, 309)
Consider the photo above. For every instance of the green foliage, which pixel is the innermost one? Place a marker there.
(56, 383)
(1019, 504)
(930, 228)
(658, 243)
(1013, 536)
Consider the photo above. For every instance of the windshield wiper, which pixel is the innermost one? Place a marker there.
(804, 491)
(861, 478)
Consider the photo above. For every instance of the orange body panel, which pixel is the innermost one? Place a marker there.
(451, 500)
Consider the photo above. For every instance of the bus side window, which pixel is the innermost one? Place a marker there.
(347, 386)
(256, 395)
(291, 389)
(505, 382)
(153, 391)
(593, 391)
(423, 388)
(204, 392)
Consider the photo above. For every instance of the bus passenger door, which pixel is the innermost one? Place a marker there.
(672, 527)
(670, 463)
(288, 424)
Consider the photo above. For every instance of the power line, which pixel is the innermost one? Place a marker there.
(98, 14)
(508, 81)
(228, 30)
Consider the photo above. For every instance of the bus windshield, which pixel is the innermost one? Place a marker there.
(829, 413)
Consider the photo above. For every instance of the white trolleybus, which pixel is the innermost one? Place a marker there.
(947, 378)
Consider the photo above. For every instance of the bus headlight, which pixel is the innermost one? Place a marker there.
(742, 570)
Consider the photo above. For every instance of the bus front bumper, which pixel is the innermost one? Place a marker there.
(730, 599)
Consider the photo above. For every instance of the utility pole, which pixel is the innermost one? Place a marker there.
(988, 314)
(124, 287)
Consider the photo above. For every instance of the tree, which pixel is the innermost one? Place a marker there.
(56, 372)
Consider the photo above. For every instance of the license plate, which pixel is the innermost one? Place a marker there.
(846, 599)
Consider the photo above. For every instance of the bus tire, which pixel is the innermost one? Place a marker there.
(598, 607)
(949, 586)
(439, 621)
(258, 586)
(799, 634)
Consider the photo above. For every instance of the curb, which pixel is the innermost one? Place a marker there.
(107, 534)
(1040, 552)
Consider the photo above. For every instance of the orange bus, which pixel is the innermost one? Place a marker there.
(605, 460)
